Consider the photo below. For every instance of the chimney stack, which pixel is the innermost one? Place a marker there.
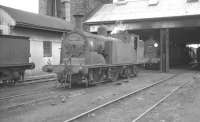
(66, 10)
(78, 13)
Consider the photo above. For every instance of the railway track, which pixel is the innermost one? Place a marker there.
(47, 95)
(85, 114)
(34, 91)
(34, 80)
(158, 103)
(30, 92)
(44, 90)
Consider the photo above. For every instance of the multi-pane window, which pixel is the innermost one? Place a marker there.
(47, 47)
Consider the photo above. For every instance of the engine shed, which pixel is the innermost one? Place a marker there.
(174, 25)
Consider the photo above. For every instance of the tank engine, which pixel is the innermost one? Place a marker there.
(90, 58)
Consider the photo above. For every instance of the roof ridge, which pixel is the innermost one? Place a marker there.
(29, 19)
(36, 14)
(138, 10)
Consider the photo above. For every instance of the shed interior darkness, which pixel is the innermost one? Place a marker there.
(184, 48)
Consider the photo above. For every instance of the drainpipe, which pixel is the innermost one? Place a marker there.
(67, 10)
(55, 7)
(61, 50)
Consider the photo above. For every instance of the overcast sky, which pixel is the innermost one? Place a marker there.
(26, 5)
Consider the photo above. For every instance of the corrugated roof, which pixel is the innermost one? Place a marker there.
(139, 9)
(31, 20)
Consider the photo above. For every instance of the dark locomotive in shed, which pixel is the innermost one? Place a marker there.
(14, 58)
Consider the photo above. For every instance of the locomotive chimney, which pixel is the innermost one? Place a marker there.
(78, 21)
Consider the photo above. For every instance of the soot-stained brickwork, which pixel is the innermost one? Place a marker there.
(65, 9)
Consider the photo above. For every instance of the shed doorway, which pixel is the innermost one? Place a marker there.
(184, 47)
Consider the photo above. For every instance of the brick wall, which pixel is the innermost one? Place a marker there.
(83, 7)
(48, 7)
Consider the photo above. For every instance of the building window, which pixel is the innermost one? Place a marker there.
(192, 1)
(47, 47)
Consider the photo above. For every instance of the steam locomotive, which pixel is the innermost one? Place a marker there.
(89, 58)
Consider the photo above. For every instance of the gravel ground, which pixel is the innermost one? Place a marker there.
(183, 106)
(10, 91)
(128, 109)
(71, 102)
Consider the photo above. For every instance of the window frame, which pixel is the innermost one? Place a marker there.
(47, 48)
